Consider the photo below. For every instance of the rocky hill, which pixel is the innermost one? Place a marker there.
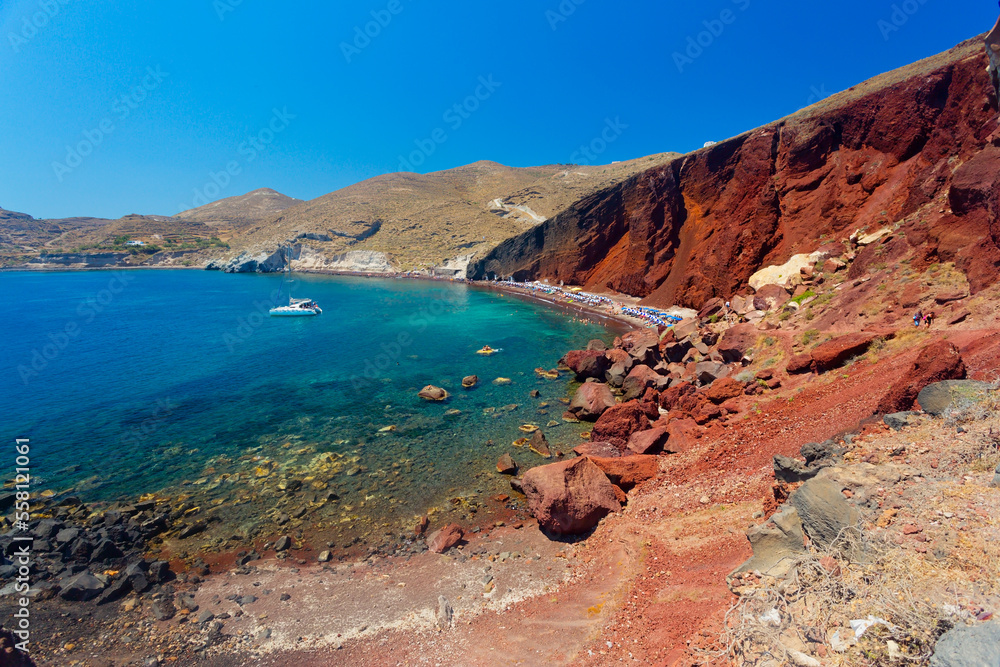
(413, 221)
(238, 212)
(914, 151)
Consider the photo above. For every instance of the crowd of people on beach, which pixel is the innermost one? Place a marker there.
(650, 316)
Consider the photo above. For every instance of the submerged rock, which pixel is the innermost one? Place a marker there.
(539, 445)
(432, 393)
(506, 465)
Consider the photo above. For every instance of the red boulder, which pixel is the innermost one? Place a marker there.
(834, 353)
(723, 390)
(628, 471)
(648, 442)
(591, 401)
(798, 364)
(618, 424)
(569, 497)
(444, 539)
(938, 361)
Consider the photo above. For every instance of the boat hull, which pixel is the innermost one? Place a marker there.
(294, 312)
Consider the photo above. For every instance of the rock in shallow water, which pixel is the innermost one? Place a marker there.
(432, 393)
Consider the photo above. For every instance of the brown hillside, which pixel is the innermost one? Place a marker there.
(420, 220)
(237, 212)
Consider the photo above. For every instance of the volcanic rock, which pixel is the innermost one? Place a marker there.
(506, 465)
(723, 390)
(618, 423)
(736, 341)
(799, 363)
(80, 587)
(586, 363)
(569, 497)
(672, 397)
(937, 362)
(444, 539)
(824, 512)
(776, 544)
(628, 471)
(539, 445)
(834, 353)
(641, 378)
(965, 646)
(648, 442)
(591, 401)
(937, 398)
(432, 393)
(681, 435)
(470, 381)
(707, 372)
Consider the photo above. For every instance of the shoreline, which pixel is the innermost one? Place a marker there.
(621, 323)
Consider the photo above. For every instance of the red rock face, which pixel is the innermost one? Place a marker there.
(700, 226)
(569, 497)
(938, 361)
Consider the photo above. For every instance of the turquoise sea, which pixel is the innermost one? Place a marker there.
(153, 381)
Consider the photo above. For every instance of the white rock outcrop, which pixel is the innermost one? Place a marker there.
(779, 275)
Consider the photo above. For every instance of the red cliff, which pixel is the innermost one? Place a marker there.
(917, 149)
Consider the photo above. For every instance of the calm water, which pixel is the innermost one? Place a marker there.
(139, 382)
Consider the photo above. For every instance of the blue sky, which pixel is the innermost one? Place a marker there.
(133, 106)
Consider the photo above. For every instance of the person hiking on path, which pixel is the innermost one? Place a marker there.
(918, 318)
(929, 319)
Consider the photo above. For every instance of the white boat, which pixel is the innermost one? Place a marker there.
(297, 308)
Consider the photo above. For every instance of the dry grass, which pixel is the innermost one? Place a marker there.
(920, 587)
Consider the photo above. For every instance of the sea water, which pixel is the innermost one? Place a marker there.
(177, 382)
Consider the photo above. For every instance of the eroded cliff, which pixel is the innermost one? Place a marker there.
(916, 149)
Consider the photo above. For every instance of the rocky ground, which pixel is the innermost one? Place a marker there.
(625, 548)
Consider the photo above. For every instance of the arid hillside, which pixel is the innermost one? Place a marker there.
(916, 151)
(239, 212)
(419, 221)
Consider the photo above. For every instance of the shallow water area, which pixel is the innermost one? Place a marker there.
(177, 383)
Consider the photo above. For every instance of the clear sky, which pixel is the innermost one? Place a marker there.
(131, 106)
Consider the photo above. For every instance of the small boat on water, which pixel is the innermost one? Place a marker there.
(297, 308)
